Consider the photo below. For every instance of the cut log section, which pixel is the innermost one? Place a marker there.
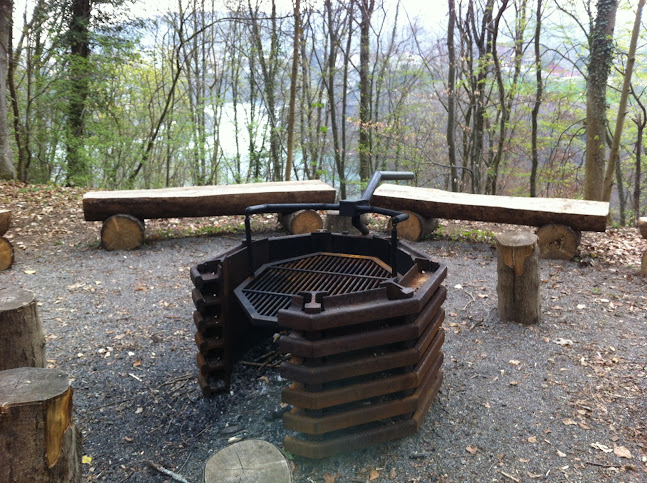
(5, 221)
(196, 201)
(558, 242)
(22, 340)
(518, 277)
(38, 438)
(301, 222)
(6, 254)
(122, 232)
(416, 227)
(644, 263)
(642, 227)
(581, 215)
(252, 460)
(335, 223)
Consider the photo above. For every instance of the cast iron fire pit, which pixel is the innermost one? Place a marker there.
(363, 316)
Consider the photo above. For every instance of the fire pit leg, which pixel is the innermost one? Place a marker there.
(518, 277)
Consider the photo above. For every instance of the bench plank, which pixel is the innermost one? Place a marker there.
(578, 214)
(197, 201)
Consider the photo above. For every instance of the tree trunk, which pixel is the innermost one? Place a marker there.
(451, 96)
(518, 277)
(601, 56)
(293, 89)
(79, 38)
(22, 340)
(364, 144)
(38, 438)
(622, 107)
(535, 110)
(7, 170)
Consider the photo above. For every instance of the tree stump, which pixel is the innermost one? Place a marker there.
(335, 223)
(122, 232)
(643, 265)
(252, 461)
(416, 227)
(518, 277)
(642, 227)
(38, 438)
(558, 242)
(6, 254)
(302, 221)
(22, 340)
(5, 221)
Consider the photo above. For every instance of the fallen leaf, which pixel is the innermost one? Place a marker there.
(563, 342)
(622, 452)
(514, 362)
(471, 449)
(569, 422)
(392, 474)
(581, 306)
(532, 439)
(374, 475)
(601, 447)
(128, 439)
(560, 454)
(30, 272)
(328, 478)
(86, 460)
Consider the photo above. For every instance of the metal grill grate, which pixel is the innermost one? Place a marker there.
(273, 288)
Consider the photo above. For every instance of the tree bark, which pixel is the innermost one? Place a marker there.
(38, 438)
(539, 89)
(518, 277)
(22, 340)
(614, 156)
(364, 145)
(293, 88)
(451, 96)
(7, 170)
(601, 56)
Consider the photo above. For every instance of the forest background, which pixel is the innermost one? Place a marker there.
(516, 97)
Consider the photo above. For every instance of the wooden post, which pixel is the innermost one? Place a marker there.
(22, 341)
(416, 227)
(518, 277)
(122, 232)
(301, 222)
(38, 438)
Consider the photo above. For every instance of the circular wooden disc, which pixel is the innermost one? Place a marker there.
(13, 299)
(251, 461)
(557, 242)
(517, 238)
(122, 232)
(25, 385)
(6, 254)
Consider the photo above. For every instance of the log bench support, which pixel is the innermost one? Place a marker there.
(6, 248)
(518, 277)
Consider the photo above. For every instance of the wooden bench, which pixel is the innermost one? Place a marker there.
(559, 220)
(123, 212)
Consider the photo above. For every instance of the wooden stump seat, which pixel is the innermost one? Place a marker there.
(560, 220)
(132, 207)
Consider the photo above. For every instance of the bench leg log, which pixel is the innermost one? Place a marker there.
(301, 222)
(6, 254)
(643, 265)
(558, 242)
(5, 221)
(518, 277)
(335, 223)
(416, 227)
(38, 439)
(22, 340)
(122, 232)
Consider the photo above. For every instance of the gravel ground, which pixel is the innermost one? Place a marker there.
(559, 401)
